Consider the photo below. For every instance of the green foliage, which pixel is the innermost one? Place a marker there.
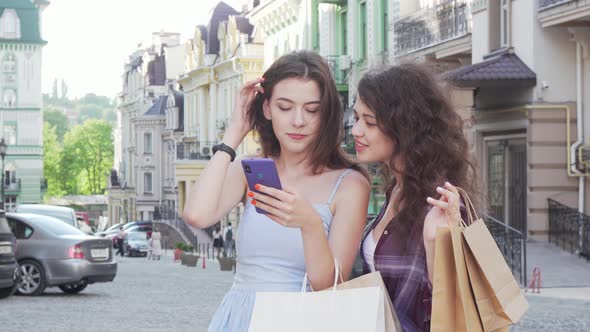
(88, 149)
(58, 120)
(52, 161)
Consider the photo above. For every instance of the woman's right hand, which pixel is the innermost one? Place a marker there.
(239, 120)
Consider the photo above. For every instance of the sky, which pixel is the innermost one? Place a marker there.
(90, 40)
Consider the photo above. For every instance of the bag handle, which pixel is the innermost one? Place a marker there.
(337, 273)
(471, 213)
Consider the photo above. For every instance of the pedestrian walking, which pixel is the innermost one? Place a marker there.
(319, 215)
(217, 241)
(120, 242)
(228, 240)
(155, 244)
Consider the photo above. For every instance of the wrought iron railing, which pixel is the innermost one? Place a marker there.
(543, 4)
(512, 244)
(200, 150)
(14, 186)
(430, 26)
(166, 215)
(569, 229)
(338, 73)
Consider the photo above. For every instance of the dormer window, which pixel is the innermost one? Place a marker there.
(9, 25)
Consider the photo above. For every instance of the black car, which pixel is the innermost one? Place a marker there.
(8, 266)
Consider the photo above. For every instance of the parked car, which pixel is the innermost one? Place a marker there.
(8, 266)
(52, 253)
(136, 244)
(63, 213)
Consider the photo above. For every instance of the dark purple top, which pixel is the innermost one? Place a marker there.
(400, 257)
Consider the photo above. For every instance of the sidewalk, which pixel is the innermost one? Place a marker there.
(559, 268)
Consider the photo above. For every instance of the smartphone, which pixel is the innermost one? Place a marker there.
(261, 171)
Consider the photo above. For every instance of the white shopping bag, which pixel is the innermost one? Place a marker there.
(347, 310)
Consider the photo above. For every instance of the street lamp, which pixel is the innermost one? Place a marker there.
(3, 148)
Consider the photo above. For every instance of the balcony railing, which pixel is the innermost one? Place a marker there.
(431, 26)
(13, 186)
(338, 74)
(201, 150)
(569, 229)
(543, 4)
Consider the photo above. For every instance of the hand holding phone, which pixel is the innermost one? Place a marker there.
(261, 171)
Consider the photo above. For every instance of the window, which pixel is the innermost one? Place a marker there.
(9, 98)
(504, 23)
(344, 32)
(147, 183)
(9, 64)
(363, 31)
(385, 12)
(20, 230)
(147, 143)
(10, 133)
(9, 25)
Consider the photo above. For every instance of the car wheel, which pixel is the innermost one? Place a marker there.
(74, 288)
(32, 278)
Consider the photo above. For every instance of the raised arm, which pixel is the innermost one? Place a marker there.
(222, 184)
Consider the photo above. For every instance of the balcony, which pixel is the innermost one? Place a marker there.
(340, 76)
(200, 150)
(432, 26)
(12, 187)
(564, 12)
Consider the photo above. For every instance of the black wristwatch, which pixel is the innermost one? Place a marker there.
(224, 148)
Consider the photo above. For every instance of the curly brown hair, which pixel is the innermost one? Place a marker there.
(326, 150)
(413, 109)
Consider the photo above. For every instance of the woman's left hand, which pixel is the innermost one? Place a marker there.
(285, 207)
(445, 212)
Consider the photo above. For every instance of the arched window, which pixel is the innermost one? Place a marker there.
(9, 25)
(9, 98)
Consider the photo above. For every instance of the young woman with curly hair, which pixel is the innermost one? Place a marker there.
(405, 122)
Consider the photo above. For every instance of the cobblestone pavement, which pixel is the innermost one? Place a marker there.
(164, 296)
(555, 314)
(145, 296)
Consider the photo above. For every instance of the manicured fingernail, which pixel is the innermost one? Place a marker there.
(439, 189)
(253, 202)
(250, 194)
(429, 199)
(257, 186)
(448, 183)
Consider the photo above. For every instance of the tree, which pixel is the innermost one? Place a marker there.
(88, 112)
(52, 161)
(64, 90)
(88, 149)
(56, 119)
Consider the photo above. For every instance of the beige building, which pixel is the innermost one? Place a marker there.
(218, 60)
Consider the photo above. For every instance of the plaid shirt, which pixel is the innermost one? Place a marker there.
(401, 258)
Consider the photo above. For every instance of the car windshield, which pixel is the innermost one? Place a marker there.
(63, 215)
(53, 225)
(136, 236)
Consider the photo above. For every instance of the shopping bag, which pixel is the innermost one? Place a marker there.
(497, 294)
(374, 279)
(342, 310)
(453, 303)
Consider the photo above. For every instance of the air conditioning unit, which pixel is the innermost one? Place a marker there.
(206, 150)
(344, 62)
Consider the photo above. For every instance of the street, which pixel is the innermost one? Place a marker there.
(166, 296)
(145, 296)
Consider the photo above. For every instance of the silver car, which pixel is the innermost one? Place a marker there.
(52, 253)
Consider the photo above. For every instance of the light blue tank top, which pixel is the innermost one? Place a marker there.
(269, 255)
(269, 258)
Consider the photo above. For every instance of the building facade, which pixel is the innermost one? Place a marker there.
(21, 46)
(137, 180)
(220, 58)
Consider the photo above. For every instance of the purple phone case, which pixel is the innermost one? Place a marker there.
(262, 171)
